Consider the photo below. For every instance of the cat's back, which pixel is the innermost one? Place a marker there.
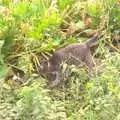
(70, 48)
(75, 50)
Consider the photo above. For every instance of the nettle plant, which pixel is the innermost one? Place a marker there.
(28, 27)
(102, 94)
(35, 103)
(104, 11)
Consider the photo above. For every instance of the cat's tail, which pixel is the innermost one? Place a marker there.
(94, 40)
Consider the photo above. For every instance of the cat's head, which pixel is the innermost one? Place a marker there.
(44, 66)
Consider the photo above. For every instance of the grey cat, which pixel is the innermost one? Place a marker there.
(75, 54)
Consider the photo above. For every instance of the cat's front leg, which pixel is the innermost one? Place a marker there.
(55, 78)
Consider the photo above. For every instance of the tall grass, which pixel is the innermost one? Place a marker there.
(36, 28)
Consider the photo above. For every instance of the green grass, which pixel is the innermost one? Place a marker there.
(28, 28)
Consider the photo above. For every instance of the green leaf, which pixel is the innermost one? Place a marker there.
(3, 66)
(3, 69)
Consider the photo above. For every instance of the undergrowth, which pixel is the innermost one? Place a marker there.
(31, 30)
